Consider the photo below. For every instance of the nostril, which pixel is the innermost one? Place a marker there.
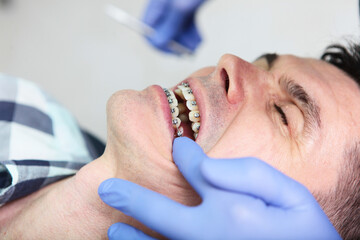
(225, 79)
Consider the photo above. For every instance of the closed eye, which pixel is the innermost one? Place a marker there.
(282, 114)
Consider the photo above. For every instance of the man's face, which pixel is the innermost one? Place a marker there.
(296, 114)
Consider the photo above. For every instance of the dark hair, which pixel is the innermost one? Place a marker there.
(345, 58)
(342, 205)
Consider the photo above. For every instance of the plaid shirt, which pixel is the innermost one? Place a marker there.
(40, 141)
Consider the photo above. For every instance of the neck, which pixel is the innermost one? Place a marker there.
(68, 209)
(71, 208)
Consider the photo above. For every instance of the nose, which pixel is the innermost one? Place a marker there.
(234, 72)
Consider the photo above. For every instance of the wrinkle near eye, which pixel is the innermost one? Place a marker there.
(282, 114)
(295, 119)
(288, 117)
(308, 106)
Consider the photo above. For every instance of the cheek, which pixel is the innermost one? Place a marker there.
(251, 136)
(244, 144)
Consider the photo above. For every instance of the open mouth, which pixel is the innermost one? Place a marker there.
(184, 111)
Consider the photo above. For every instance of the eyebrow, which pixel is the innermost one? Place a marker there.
(310, 108)
(270, 58)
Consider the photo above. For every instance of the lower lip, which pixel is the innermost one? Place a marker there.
(164, 106)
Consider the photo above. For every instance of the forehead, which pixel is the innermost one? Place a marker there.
(336, 94)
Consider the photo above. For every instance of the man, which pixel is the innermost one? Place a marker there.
(127, 193)
(297, 114)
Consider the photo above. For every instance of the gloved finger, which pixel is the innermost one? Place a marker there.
(119, 231)
(147, 206)
(188, 156)
(155, 11)
(254, 177)
(170, 27)
(190, 37)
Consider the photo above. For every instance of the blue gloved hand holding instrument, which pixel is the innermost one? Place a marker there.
(242, 198)
(170, 45)
(173, 20)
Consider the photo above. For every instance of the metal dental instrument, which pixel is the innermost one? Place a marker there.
(138, 26)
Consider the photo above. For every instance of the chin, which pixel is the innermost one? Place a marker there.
(140, 137)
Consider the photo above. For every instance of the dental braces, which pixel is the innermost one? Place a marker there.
(186, 94)
(179, 130)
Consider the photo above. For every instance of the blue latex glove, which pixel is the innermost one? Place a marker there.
(173, 20)
(242, 199)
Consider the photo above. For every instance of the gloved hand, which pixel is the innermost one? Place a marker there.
(242, 199)
(173, 20)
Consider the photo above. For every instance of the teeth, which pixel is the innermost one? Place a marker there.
(185, 84)
(191, 105)
(188, 94)
(195, 127)
(181, 87)
(174, 112)
(172, 95)
(180, 132)
(176, 122)
(173, 102)
(167, 93)
(179, 110)
(178, 92)
(194, 116)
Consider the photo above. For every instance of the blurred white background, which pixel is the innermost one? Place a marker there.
(81, 56)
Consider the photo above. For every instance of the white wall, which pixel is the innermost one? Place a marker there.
(81, 56)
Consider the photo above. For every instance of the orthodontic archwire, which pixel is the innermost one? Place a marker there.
(179, 132)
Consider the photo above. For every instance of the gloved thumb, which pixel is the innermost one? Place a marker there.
(123, 231)
(188, 157)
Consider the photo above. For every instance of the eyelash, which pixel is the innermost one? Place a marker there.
(282, 114)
